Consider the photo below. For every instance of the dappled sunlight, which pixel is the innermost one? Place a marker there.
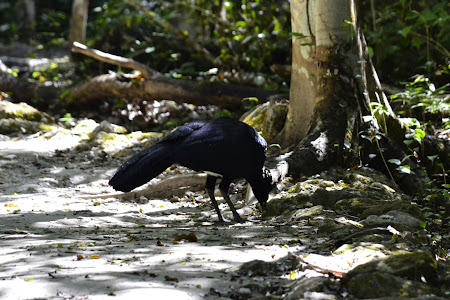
(65, 231)
(104, 254)
(345, 258)
(40, 144)
(320, 146)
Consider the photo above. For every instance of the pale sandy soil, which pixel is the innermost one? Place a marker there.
(55, 245)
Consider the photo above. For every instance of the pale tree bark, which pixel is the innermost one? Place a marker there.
(303, 81)
(333, 83)
(26, 19)
(78, 21)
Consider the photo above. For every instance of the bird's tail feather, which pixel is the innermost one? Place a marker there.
(142, 167)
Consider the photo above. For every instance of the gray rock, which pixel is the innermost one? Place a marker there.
(397, 219)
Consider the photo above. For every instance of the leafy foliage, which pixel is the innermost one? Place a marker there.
(422, 98)
(241, 35)
(409, 37)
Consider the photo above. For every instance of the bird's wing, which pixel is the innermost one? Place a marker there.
(184, 131)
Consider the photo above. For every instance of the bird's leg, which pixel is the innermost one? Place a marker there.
(236, 216)
(210, 186)
(223, 187)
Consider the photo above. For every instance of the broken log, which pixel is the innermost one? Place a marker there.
(155, 86)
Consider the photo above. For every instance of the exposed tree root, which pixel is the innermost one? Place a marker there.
(174, 186)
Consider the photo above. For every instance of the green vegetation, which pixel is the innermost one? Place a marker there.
(409, 42)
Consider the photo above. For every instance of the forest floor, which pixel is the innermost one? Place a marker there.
(58, 240)
(54, 244)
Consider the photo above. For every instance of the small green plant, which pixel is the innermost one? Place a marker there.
(68, 120)
(422, 95)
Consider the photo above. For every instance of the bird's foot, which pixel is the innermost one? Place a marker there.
(223, 221)
(238, 219)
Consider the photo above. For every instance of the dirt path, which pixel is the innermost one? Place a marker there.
(56, 245)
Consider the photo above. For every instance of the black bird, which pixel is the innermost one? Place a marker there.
(222, 147)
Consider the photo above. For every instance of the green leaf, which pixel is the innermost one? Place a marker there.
(299, 35)
(419, 135)
(395, 161)
(405, 170)
(241, 24)
(371, 52)
(367, 119)
(427, 214)
(417, 42)
(251, 100)
(408, 142)
(406, 30)
(432, 157)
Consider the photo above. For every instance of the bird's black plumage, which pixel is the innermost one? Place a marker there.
(223, 146)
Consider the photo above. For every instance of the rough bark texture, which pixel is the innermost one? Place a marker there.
(331, 89)
(151, 86)
(156, 86)
(78, 21)
(147, 73)
(341, 85)
(26, 17)
(183, 91)
(303, 76)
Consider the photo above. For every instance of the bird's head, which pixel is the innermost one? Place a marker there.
(264, 188)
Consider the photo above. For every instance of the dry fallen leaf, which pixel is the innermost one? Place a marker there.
(168, 278)
(191, 237)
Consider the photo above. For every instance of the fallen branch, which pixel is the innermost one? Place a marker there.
(23, 90)
(173, 186)
(156, 86)
(123, 62)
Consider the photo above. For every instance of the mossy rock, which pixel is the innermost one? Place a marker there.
(403, 275)
(363, 207)
(23, 111)
(399, 220)
(387, 206)
(286, 202)
(378, 284)
(268, 118)
(355, 206)
(10, 126)
(23, 118)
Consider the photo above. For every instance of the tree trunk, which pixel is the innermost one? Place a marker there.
(303, 81)
(332, 86)
(26, 20)
(78, 21)
(324, 92)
